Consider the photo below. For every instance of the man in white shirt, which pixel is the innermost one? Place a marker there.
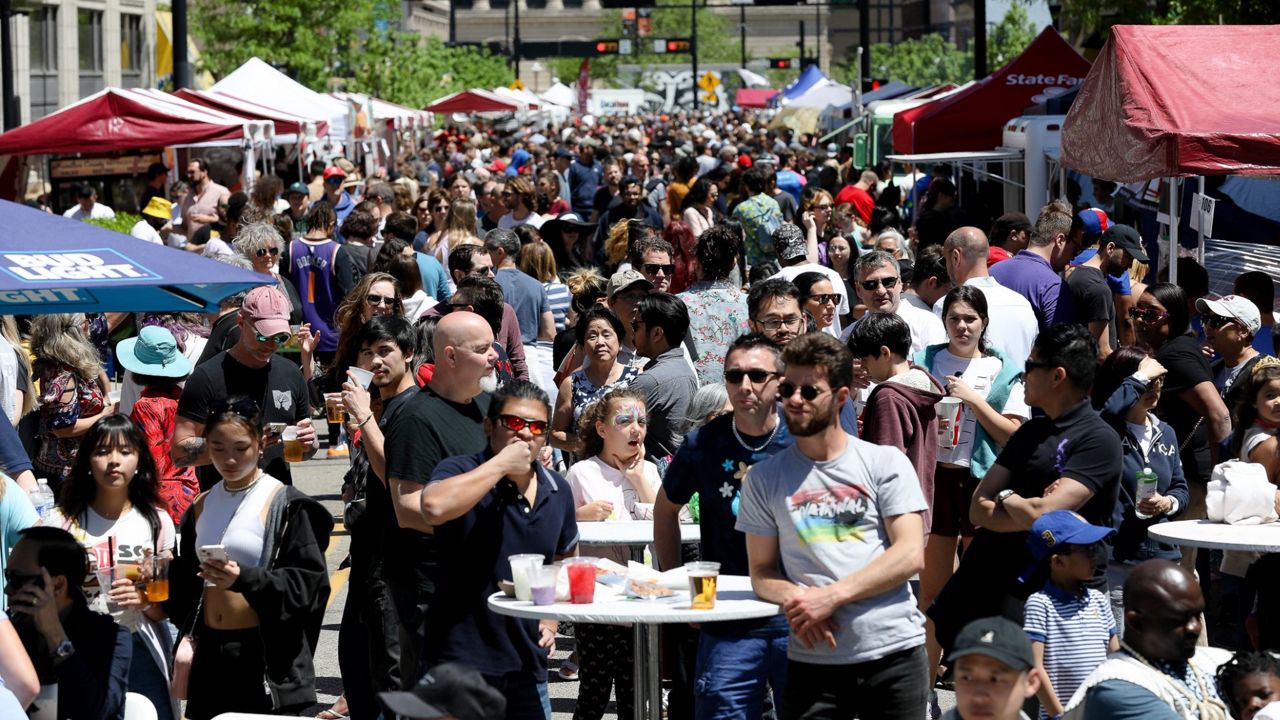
(879, 287)
(156, 221)
(88, 207)
(1013, 325)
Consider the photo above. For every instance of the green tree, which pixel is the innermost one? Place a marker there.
(927, 60)
(717, 42)
(1087, 22)
(408, 69)
(1009, 37)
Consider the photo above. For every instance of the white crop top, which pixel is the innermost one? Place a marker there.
(235, 520)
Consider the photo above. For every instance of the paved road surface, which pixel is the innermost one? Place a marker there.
(322, 479)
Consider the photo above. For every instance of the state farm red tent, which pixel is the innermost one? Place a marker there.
(974, 118)
(1178, 100)
(118, 119)
(473, 101)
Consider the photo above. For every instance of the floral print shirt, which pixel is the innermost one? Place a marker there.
(717, 316)
(64, 399)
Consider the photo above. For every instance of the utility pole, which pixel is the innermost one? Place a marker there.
(864, 38)
(817, 36)
(801, 46)
(979, 39)
(10, 98)
(742, 33)
(181, 66)
(516, 41)
(693, 48)
(453, 23)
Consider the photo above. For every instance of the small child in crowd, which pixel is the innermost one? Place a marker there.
(1071, 626)
(1250, 683)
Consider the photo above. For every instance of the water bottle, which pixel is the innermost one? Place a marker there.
(1147, 483)
(42, 498)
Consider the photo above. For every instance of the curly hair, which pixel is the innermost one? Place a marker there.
(718, 249)
(1240, 666)
(59, 338)
(257, 236)
(598, 411)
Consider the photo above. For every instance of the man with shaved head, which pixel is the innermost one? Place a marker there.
(1012, 325)
(1156, 674)
(443, 419)
(859, 195)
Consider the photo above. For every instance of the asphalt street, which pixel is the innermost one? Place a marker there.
(322, 480)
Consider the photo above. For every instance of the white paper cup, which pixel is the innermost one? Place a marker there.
(361, 376)
(949, 410)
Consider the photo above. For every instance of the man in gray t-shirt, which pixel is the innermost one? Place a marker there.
(834, 533)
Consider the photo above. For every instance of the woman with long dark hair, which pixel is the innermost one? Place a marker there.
(111, 505)
(699, 206)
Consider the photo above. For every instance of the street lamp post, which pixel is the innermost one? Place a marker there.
(10, 98)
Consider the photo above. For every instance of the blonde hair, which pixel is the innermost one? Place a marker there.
(537, 261)
(58, 338)
(9, 329)
(615, 246)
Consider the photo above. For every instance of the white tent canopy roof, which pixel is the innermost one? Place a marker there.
(823, 94)
(258, 82)
(560, 94)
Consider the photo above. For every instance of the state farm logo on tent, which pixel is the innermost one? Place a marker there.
(96, 266)
(1063, 79)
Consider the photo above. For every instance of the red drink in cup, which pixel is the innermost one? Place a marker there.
(582, 580)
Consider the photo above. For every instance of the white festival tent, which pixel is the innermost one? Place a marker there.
(560, 94)
(824, 94)
(258, 82)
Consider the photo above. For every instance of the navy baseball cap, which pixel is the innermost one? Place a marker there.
(1062, 527)
(448, 691)
(1127, 239)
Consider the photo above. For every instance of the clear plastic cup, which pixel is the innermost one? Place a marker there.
(157, 581)
(702, 584)
(107, 577)
(542, 586)
(294, 451)
(522, 569)
(361, 376)
(336, 411)
(582, 579)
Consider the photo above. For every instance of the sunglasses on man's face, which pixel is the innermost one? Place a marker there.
(808, 392)
(515, 423)
(756, 375)
(886, 283)
(278, 338)
(333, 181)
(1030, 365)
(1217, 322)
(263, 252)
(655, 268)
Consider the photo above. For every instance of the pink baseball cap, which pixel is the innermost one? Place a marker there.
(268, 309)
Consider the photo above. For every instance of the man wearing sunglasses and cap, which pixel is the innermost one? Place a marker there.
(485, 508)
(1091, 295)
(252, 368)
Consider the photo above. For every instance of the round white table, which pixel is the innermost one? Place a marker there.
(734, 601)
(635, 534)
(1219, 536)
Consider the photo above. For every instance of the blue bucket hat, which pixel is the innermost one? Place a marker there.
(153, 352)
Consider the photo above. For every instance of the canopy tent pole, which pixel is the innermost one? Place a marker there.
(1174, 206)
(1200, 232)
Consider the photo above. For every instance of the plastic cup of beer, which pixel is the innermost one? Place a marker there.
(107, 577)
(157, 582)
(582, 579)
(294, 450)
(702, 584)
(522, 569)
(337, 411)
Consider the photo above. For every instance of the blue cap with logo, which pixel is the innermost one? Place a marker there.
(1062, 527)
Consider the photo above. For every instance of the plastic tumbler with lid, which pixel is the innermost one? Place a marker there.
(582, 579)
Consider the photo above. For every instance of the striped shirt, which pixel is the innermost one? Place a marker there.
(558, 298)
(1075, 630)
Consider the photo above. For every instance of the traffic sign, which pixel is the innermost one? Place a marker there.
(711, 98)
(709, 82)
(516, 85)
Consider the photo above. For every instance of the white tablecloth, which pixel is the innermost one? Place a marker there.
(1219, 536)
(734, 601)
(638, 532)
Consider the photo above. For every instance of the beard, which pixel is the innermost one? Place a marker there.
(821, 420)
(489, 383)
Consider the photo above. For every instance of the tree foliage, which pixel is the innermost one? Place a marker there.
(410, 70)
(1087, 22)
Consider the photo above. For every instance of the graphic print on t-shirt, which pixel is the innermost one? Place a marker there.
(830, 514)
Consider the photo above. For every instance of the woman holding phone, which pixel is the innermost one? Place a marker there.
(250, 583)
(111, 505)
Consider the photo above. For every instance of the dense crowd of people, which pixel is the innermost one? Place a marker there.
(938, 449)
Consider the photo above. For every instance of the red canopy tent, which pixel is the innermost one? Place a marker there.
(753, 97)
(117, 119)
(1178, 100)
(286, 123)
(473, 101)
(974, 118)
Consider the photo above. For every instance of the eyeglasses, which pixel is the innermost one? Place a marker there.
(244, 407)
(507, 193)
(333, 181)
(824, 298)
(823, 206)
(655, 268)
(278, 338)
(376, 300)
(774, 323)
(756, 375)
(1030, 365)
(808, 392)
(1217, 321)
(515, 423)
(263, 252)
(440, 208)
(886, 283)
(483, 271)
(423, 209)
(1148, 315)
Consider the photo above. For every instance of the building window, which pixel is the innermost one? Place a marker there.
(89, 24)
(43, 34)
(131, 55)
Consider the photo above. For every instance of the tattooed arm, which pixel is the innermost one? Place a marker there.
(188, 448)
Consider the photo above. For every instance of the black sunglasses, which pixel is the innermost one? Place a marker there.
(263, 252)
(653, 268)
(824, 298)
(515, 423)
(1217, 322)
(808, 392)
(15, 580)
(886, 283)
(757, 375)
(376, 300)
(1148, 315)
(1030, 365)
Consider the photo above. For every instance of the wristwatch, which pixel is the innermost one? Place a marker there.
(1002, 496)
(64, 650)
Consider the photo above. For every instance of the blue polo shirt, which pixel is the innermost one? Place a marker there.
(1032, 277)
(473, 551)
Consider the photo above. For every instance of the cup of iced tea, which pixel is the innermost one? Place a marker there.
(156, 587)
(702, 584)
(294, 450)
(337, 411)
(582, 579)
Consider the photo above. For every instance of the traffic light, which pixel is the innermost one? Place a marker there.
(781, 63)
(677, 46)
(606, 47)
(869, 84)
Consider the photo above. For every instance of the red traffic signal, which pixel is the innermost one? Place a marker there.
(781, 63)
(607, 47)
(677, 46)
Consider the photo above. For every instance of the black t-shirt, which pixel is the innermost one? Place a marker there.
(278, 388)
(426, 430)
(788, 205)
(378, 508)
(1078, 445)
(224, 334)
(1091, 299)
(604, 199)
(350, 265)
(1188, 367)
